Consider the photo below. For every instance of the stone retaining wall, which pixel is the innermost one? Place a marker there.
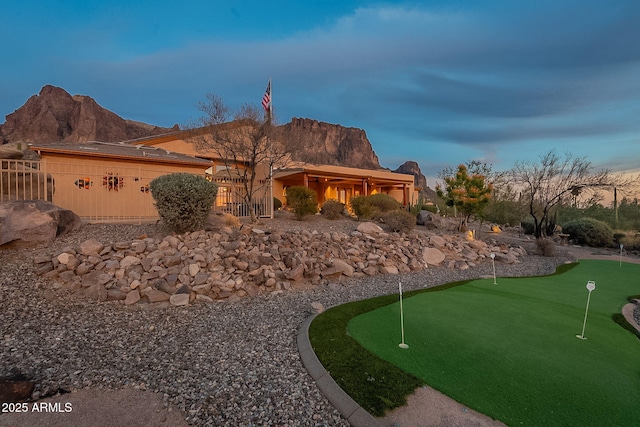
(229, 264)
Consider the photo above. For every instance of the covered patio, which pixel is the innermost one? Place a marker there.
(342, 183)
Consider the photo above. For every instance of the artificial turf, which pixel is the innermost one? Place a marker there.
(510, 350)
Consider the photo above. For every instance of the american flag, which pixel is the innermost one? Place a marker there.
(266, 99)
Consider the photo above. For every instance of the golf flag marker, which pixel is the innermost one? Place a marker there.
(493, 262)
(591, 285)
(402, 344)
(621, 246)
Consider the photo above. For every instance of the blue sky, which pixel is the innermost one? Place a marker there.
(438, 82)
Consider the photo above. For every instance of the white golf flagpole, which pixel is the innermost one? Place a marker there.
(591, 285)
(402, 344)
(621, 246)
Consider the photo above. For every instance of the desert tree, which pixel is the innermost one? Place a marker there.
(246, 140)
(553, 180)
(468, 192)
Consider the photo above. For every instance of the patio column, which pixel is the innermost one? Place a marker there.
(404, 194)
(365, 189)
(305, 180)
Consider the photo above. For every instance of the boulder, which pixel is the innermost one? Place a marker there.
(369, 228)
(428, 219)
(91, 247)
(32, 222)
(432, 256)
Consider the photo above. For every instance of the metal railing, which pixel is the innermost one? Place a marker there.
(24, 180)
(115, 193)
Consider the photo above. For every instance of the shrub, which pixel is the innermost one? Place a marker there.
(183, 200)
(545, 247)
(277, 204)
(430, 208)
(528, 226)
(302, 201)
(332, 209)
(399, 220)
(360, 207)
(589, 231)
(367, 207)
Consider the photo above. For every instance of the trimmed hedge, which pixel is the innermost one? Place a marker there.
(183, 200)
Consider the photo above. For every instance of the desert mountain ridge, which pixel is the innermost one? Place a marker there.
(54, 115)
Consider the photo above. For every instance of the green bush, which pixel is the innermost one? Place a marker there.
(368, 207)
(430, 208)
(399, 220)
(302, 201)
(589, 231)
(183, 200)
(528, 226)
(332, 209)
(277, 204)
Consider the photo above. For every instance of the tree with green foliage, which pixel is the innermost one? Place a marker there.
(183, 200)
(468, 193)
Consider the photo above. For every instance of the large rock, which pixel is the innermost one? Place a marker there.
(432, 256)
(32, 222)
(369, 228)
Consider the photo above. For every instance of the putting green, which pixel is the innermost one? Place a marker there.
(510, 350)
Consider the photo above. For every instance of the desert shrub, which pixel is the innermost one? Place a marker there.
(505, 212)
(631, 241)
(589, 231)
(430, 208)
(528, 226)
(399, 220)
(183, 200)
(360, 207)
(302, 201)
(277, 204)
(367, 207)
(545, 247)
(332, 209)
(383, 202)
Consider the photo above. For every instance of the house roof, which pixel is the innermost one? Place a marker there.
(119, 150)
(345, 173)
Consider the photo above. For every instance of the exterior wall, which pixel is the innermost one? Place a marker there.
(107, 189)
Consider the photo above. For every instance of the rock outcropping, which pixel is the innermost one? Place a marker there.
(54, 115)
(411, 168)
(330, 144)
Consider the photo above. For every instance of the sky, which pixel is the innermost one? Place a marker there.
(437, 82)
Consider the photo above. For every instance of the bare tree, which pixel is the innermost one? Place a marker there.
(554, 180)
(246, 141)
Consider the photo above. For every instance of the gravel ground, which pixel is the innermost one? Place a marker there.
(222, 363)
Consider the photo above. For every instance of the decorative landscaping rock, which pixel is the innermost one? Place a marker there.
(31, 222)
(229, 264)
(432, 256)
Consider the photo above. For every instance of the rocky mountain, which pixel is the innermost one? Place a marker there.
(329, 144)
(412, 168)
(54, 115)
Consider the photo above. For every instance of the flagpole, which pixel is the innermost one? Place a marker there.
(271, 149)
